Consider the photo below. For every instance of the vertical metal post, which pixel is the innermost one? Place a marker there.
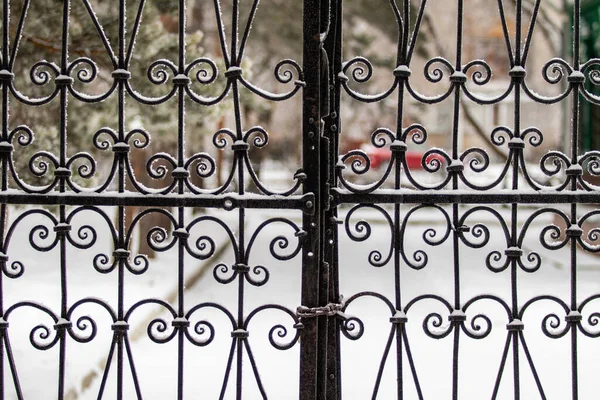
(62, 173)
(574, 317)
(311, 155)
(324, 293)
(4, 65)
(119, 331)
(514, 206)
(182, 323)
(457, 318)
(333, 49)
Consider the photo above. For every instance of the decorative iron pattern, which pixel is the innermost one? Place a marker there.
(319, 191)
(460, 201)
(186, 324)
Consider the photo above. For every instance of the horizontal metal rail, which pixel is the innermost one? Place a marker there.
(227, 201)
(465, 197)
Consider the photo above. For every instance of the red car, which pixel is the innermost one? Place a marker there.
(382, 156)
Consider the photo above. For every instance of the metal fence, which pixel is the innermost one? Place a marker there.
(323, 193)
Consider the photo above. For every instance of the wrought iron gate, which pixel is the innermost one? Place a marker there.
(325, 193)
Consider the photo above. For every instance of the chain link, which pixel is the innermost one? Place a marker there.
(329, 310)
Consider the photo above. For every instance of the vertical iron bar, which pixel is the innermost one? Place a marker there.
(398, 286)
(325, 134)
(456, 322)
(311, 125)
(575, 161)
(239, 159)
(181, 210)
(5, 65)
(241, 278)
(5, 115)
(333, 47)
(180, 304)
(119, 334)
(397, 238)
(61, 328)
(514, 206)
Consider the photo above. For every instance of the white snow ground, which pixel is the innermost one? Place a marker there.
(205, 366)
